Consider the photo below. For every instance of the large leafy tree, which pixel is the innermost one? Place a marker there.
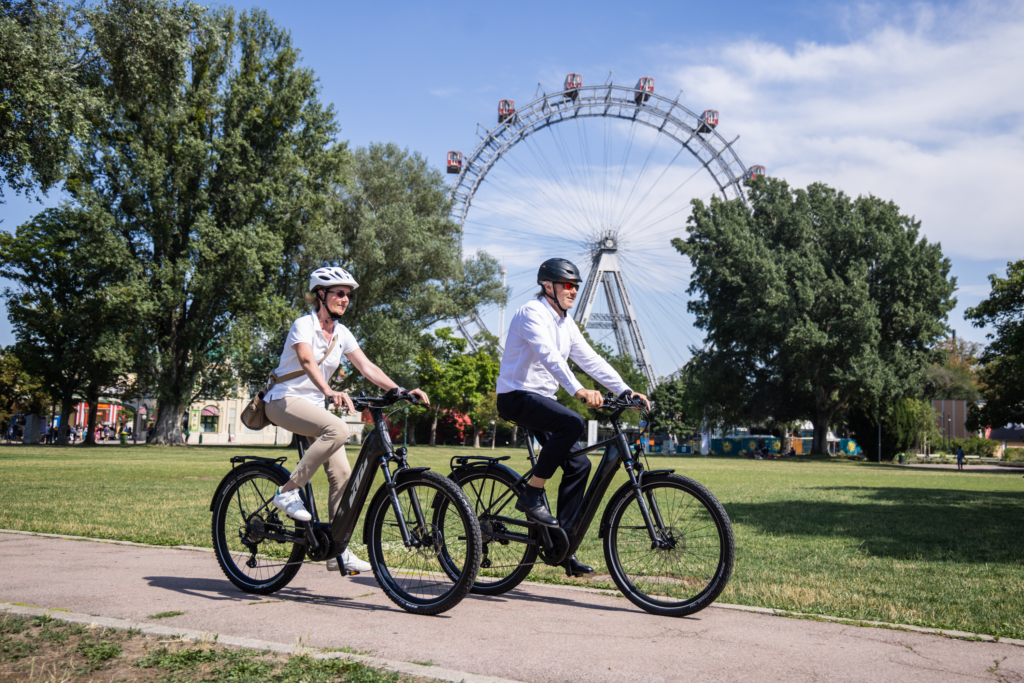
(1002, 372)
(816, 298)
(397, 239)
(70, 306)
(48, 74)
(213, 165)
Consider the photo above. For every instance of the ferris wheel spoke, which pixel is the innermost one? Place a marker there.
(636, 183)
(571, 200)
(664, 199)
(567, 161)
(657, 181)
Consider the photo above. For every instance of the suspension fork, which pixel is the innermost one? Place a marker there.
(642, 502)
(389, 482)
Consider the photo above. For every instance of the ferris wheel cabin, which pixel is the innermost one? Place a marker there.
(506, 110)
(708, 121)
(573, 82)
(454, 162)
(754, 172)
(644, 88)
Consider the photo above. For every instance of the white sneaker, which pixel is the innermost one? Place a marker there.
(292, 505)
(351, 562)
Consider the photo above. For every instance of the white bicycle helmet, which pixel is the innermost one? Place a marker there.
(328, 276)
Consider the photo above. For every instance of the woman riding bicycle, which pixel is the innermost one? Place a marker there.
(541, 339)
(315, 344)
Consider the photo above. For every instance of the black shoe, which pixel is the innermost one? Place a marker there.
(532, 503)
(574, 567)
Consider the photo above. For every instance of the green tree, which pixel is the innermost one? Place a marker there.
(48, 78)
(20, 391)
(396, 237)
(816, 298)
(1002, 363)
(674, 410)
(70, 307)
(213, 167)
(955, 374)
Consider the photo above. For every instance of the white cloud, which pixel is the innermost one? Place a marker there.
(930, 115)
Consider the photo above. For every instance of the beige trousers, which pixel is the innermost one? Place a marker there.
(300, 416)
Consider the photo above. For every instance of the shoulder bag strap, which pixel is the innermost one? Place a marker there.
(293, 375)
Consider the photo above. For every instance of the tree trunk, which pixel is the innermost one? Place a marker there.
(410, 435)
(167, 430)
(819, 443)
(433, 428)
(787, 441)
(476, 436)
(67, 407)
(515, 436)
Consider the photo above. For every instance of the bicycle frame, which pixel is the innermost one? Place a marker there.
(377, 449)
(618, 452)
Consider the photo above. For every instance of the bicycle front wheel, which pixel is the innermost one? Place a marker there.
(242, 512)
(691, 562)
(413, 577)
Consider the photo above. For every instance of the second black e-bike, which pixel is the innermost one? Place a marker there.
(668, 542)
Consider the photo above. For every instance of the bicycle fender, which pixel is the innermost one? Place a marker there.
(382, 492)
(456, 474)
(230, 476)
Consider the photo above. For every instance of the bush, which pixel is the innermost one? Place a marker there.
(975, 445)
(1013, 455)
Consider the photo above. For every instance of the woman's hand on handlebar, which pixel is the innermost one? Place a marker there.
(592, 397)
(341, 399)
(421, 395)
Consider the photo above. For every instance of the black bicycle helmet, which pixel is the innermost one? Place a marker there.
(555, 269)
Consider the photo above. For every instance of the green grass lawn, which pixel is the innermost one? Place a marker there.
(930, 547)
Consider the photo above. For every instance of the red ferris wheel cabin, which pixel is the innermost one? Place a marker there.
(573, 82)
(644, 88)
(708, 121)
(754, 172)
(454, 162)
(506, 110)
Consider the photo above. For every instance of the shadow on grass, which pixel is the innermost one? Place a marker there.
(905, 523)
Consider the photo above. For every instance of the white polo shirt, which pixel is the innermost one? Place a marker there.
(307, 330)
(539, 343)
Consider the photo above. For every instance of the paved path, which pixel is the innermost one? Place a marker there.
(535, 633)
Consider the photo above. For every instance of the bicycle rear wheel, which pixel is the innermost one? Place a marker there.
(692, 567)
(254, 564)
(413, 577)
(505, 563)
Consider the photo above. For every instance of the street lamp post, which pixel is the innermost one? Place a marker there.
(494, 433)
(949, 432)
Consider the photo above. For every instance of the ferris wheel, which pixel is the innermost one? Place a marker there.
(607, 190)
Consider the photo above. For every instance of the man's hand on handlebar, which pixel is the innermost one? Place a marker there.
(421, 395)
(591, 397)
(642, 398)
(342, 399)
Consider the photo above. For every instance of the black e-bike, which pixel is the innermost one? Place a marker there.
(668, 542)
(260, 548)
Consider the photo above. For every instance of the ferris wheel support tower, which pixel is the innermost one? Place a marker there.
(605, 270)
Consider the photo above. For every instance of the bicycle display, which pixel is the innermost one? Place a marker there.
(668, 542)
(413, 547)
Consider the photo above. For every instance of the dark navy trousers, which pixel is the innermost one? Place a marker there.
(557, 429)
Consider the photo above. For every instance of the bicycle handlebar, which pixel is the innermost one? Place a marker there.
(626, 400)
(393, 396)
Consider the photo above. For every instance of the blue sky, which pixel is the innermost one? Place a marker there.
(921, 103)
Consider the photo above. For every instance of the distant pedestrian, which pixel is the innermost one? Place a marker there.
(960, 458)
(9, 434)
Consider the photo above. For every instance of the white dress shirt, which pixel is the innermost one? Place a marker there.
(307, 330)
(539, 343)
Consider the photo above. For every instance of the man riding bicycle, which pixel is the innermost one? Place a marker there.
(541, 339)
